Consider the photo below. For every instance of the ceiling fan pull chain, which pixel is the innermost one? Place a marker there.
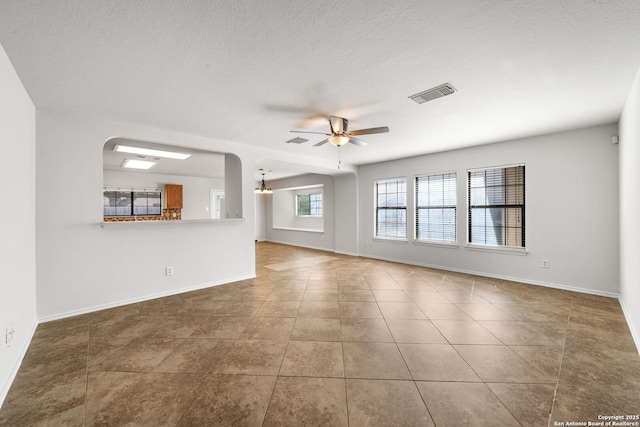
(339, 160)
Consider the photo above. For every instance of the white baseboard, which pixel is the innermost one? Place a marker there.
(632, 327)
(141, 299)
(312, 247)
(300, 246)
(16, 366)
(346, 253)
(475, 273)
(501, 277)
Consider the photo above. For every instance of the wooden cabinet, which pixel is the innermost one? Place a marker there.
(173, 196)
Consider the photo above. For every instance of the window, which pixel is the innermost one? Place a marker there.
(436, 207)
(309, 204)
(391, 208)
(496, 206)
(132, 202)
(299, 208)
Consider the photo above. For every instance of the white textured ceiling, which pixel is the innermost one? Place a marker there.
(251, 70)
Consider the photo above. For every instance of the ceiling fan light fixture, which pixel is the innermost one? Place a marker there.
(340, 135)
(338, 140)
(338, 124)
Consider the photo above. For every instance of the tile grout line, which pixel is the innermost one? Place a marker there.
(564, 345)
(86, 387)
(195, 397)
(344, 372)
(277, 376)
(413, 380)
(483, 382)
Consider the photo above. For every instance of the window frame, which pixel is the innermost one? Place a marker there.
(310, 194)
(132, 191)
(521, 207)
(418, 207)
(390, 208)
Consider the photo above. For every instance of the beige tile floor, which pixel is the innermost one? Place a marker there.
(324, 339)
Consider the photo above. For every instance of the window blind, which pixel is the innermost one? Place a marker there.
(391, 208)
(497, 206)
(436, 207)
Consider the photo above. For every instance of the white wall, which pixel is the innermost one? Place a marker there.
(630, 210)
(318, 240)
(261, 216)
(17, 222)
(195, 190)
(571, 210)
(81, 266)
(282, 202)
(233, 185)
(346, 213)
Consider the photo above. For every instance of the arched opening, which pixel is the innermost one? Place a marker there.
(148, 181)
(286, 216)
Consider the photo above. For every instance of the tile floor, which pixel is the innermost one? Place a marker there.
(324, 339)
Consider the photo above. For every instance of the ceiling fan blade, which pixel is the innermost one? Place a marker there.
(304, 131)
(358, 142)
(321, 143)
(369, 131)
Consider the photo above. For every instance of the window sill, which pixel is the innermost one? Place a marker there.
(449, 245)
(117, 224)
(306, 230)
(498, 249)
(390, 240)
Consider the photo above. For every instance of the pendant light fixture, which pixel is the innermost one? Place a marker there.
(263, 189)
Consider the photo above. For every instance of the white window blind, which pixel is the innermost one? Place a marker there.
(497, 206)
(436, 207)
(391, 208)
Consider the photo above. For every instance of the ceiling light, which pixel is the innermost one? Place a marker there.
(150, 152)
(338, 140)
(263, 189)
(137, 164)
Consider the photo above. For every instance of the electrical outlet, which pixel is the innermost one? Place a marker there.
(169, 270)
(10, 331)
(545, 263)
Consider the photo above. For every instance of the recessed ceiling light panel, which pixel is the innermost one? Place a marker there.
(137, 164)
(150, 152)
(433, 93)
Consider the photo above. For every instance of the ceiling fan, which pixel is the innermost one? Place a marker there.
(340, 134)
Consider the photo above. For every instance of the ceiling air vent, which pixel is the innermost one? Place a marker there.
(296, 140)
(433, 93)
